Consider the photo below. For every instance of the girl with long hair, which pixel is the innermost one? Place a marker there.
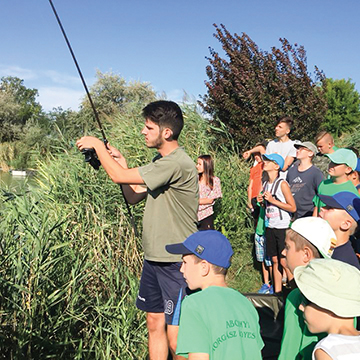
(209, 191)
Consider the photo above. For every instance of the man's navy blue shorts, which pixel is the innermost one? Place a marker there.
(162, 287)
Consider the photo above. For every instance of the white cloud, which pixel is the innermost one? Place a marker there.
(17, 71)
(60, 78)
(50, 97)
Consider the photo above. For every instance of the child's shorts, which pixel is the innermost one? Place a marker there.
(260, 250)
(275, 242)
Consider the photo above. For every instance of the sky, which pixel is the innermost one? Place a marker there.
(163, 42)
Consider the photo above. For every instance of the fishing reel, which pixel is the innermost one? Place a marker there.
(91, 158)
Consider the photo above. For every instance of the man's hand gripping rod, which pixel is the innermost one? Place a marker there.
(90, 154)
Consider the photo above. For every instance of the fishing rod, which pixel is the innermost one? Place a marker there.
(90, 154)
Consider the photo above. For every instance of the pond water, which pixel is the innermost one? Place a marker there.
(15, 183)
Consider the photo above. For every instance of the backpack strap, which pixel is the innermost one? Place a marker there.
(273, 191)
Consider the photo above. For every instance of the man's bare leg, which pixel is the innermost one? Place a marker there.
(158, 342)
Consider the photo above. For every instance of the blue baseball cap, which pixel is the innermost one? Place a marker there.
(358, 165)
(278, 159)
(345, 200)
(209, 245)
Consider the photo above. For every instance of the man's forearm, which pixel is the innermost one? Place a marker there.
(116, 172)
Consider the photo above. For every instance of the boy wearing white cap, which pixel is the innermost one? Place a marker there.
(331, 291)
(343, 162)
(307, 239)
(217, 322)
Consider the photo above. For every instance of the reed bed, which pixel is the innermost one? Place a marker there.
(70, 261)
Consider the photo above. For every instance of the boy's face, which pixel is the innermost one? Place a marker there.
(354, 178)
(303, 153)
(316, 318)
(281, 130)
(336, 218)
(191, 270)
(293, 257)
(336, 170)
(270, 165)
(258, 158)
(324, 146)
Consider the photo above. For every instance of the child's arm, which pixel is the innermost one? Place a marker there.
(320, 355)
(198, 356)
(287, 163)
(315, 212)
(249, 194)
(205, 201)
(289, 205)
(259, 148)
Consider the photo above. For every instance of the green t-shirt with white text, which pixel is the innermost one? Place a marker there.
(221, 322)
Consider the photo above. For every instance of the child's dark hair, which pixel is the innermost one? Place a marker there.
(208, 170)
(166, 114)
(257, 153)
(287, 120)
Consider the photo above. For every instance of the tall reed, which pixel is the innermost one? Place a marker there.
(70, 261)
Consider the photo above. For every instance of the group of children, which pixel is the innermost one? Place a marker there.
(218, 322)
(298, 197)
(304, 224)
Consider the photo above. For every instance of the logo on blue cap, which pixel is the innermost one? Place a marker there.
(199, 249)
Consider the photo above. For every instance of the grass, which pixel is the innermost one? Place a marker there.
(70, 262)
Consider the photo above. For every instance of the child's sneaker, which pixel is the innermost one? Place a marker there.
(271, 290)
(265, 289)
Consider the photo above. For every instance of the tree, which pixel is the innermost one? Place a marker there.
(343, 112)
(17, 106)
(111, 93)
(251, 89)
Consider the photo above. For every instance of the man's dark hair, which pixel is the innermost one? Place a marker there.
(166, 114)
(287, 120)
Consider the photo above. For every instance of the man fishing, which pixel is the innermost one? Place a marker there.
(170, 216)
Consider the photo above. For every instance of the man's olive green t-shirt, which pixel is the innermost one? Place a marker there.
(171, 205)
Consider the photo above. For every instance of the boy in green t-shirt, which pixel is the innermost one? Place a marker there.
(308, 238)
(343, 162)
(217, 322)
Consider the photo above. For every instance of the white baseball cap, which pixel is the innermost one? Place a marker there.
(318, 232)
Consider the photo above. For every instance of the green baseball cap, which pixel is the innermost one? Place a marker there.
(343, 156)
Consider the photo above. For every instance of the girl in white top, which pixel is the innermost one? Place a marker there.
(332, 291)
(209, 191)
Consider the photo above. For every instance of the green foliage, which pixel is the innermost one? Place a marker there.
(69, 269)
(17, 106)
(111, 94)
(34, 133)
(71, 263)
(343, 112)
(252, 88)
